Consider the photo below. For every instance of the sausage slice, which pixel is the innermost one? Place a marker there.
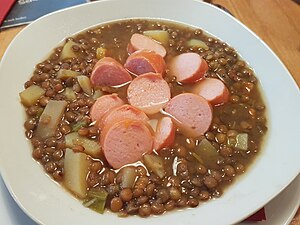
(149, 92)
(145, 61)
(213, 90)
(120, 113)
(188, 67)
(140, 42)
(191, 113)
(126, 142)
(164, 134)
(109, 72)
(103, 104)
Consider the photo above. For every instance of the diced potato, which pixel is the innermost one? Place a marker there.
(97, 94)
(100, 52)
(70, 94)
(64, 74)
(67, 51)
(197, 43)
(85, 84)
(31, 94)
(75, 171)
(50, 119)
(242, 141)
(91, 147)
(128, 176)
(155, 164)
(208, 154)
(161, 36)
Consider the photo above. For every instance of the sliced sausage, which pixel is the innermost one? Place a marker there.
(149, 92)
(103, 104)
(126, 142)
(140, 42)
(188, 67)
(191, 113)
(164, 134)
(109, 72)
(213, 90)
(120, 113)
(145, 61)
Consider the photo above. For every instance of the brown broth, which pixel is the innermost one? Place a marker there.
(244, 113)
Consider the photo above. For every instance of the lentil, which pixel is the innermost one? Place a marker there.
(116, 204)
(145, 210)
(210, 182)
(157, 208)
(188, 180)
(126, 194)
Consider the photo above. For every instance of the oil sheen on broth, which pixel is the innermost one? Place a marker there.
(190, 171)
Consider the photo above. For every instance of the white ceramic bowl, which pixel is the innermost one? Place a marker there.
(48, 203)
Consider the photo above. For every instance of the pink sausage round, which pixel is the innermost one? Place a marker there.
(103, 104)
(109, 72)
(126, 142)
(191, 113)
(213, 90)
(142, 42)
(145, 61)
(164, 134)
(120, 113)
(149, 93)
(188, 67)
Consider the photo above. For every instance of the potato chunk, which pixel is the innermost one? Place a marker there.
(197, 43)
(31, 94)
(50, 119)
(75, 172)
(91, 147)
(242, 141)
(207, 153)
(161, 36)
(65, 74)
(85, 84)
(97, 94)
(67, 51)
(155, 164)
(69, 93)
(100, 52)
(128, 176)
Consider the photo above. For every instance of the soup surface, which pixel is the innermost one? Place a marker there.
(178, 142)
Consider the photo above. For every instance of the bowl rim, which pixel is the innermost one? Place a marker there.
(32, 26)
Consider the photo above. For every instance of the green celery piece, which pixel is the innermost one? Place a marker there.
(89, 201)
(198, 158)
(96, 200)
(78, 125)
(98, 206)
(99, 194)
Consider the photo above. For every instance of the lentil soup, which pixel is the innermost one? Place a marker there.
(185, 170)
